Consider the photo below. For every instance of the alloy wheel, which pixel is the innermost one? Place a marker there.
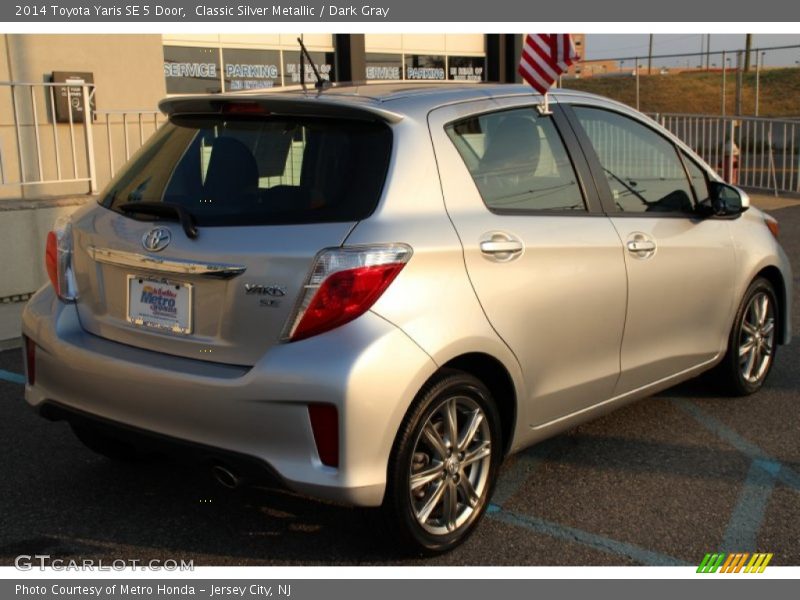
(757, 338)
(450, 465)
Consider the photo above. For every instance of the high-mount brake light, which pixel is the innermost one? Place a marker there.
(244, 108)
(343, 284)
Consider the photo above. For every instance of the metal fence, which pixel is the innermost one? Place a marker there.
(125, 132)
(39, 146)
(34, 147)
(733, 82)
(765, 153)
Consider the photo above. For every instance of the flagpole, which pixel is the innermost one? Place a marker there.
(544, 107)
(544, 58)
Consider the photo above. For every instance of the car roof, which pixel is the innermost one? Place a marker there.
(390, 100)
(399, 90)
(432, 92)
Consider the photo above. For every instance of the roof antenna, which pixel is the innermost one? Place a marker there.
(302, 65)
(321, 84)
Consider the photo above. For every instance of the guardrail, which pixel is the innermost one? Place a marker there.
(765, 153)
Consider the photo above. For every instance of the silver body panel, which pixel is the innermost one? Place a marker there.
(259, 411)
(580, 324)
(230, 326)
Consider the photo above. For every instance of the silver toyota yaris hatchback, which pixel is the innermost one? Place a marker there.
(375, 293)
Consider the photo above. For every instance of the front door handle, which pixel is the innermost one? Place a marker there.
(640, 245)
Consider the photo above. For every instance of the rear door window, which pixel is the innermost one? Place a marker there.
(518, 162)
(247, 171)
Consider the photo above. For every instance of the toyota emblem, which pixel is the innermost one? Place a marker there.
(156, 239)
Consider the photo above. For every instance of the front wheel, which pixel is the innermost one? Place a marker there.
(443, 465)
(752, 342)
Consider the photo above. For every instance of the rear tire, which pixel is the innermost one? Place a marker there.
(752, 342)
(103, 443)
(444, 465)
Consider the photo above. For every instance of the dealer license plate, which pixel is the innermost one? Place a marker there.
(160, 304)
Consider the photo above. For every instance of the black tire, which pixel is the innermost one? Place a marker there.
(734, 375)
(101, 442)
(439, 532)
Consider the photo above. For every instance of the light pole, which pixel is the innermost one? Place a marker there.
(759, 64)
(724, 77)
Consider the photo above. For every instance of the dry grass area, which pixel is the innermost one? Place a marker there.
(701, 93)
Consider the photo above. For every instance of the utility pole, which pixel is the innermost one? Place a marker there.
(748, 46)
(650, 56)
(708, 52)
(702, 52)
(724, 77)
(739, 81)
(759, 61)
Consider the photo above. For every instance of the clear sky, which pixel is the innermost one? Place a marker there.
(603, 45)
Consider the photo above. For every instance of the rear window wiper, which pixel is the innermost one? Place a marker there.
(166, 210)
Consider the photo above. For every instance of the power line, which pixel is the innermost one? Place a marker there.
(658, 42)
(685, 54)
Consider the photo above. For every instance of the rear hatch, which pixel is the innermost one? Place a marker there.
(264, 192)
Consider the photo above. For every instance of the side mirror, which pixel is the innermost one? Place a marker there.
(724, 200)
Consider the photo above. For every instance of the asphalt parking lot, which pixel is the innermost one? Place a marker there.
(660, 482)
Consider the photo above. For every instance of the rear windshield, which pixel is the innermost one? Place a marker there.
(249, 171)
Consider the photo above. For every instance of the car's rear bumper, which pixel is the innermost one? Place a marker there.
(369, 369)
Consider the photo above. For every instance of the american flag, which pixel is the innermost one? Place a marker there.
(545, 56)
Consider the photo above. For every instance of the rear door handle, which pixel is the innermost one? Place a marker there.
(501, 247)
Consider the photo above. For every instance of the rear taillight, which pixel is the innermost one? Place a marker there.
(30, 360)
(772, 225)
(325, 426)
(344, 283)
(58, 259)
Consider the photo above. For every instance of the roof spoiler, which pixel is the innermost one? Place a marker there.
(276, 105)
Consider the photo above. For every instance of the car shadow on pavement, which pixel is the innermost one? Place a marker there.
(71, 504)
